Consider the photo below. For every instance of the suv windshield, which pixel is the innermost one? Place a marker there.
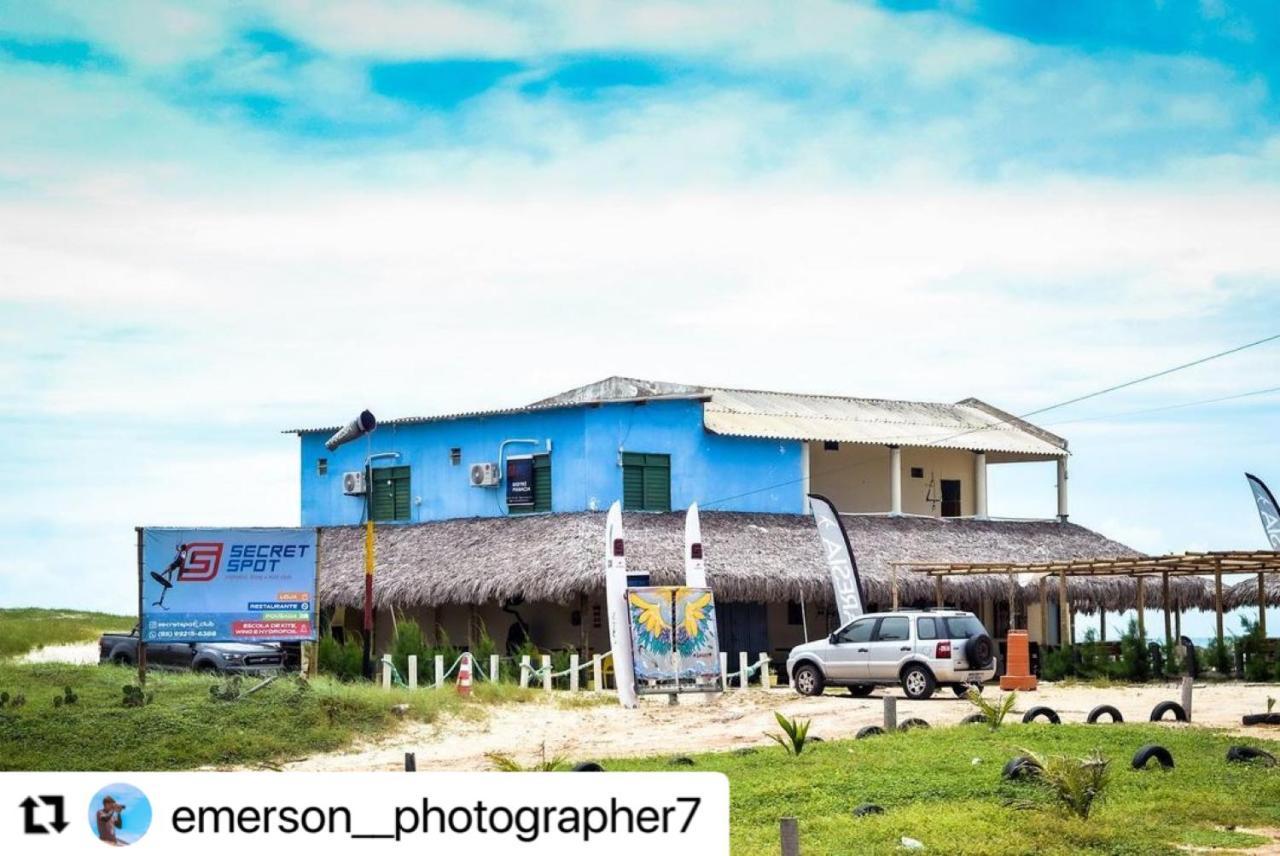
(963, 627)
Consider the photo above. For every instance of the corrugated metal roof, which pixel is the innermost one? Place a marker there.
(967, 425)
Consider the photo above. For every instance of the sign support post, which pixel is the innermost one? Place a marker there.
(142, 646)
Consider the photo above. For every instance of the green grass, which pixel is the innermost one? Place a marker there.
(931, 790)
(22, 630)
(183, 727)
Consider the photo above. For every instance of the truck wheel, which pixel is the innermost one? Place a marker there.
(122, 659)
(808, 680)
(918, 682)
(205, 668)
(861, 690)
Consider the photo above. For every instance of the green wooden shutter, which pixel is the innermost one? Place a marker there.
(646, 482)
(541, 482)
(390, 500)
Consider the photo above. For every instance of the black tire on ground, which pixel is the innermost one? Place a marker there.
(681, 761)
(808, 680)
(1021, 767)
(974, 719)
(813, 740)
(980, 651)
(1273, 719)
(913, 722)
(861, 690)
(1245, 754)
(868, 731)
(1255, 719)
(1151, 750)
(746, 750)
(1039, 711)
(866, 809)
(587, 767)
(1104, 710)
(1158, 712)
(918, 682)
(961, 690)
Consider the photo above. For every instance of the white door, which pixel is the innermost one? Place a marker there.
(846, 660)
(890, 646)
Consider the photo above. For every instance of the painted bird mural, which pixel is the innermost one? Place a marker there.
(651, 615)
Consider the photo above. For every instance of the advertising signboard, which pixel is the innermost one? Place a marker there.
(673, 637)
(228, 585)
(520, 481)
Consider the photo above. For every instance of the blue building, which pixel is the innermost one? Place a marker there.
(492, 522)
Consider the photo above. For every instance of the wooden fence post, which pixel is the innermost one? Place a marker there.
(413, 671)
(546, 673)
(1186, 696)
(724, 671)
(524, 671)
(439, 670)
(597, 673)
(386, 671)
(890, 713)
(573, 673)
(789, 832)
(495, 664)
(743, 671)
(764, 670)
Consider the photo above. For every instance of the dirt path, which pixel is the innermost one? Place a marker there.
(731, 721)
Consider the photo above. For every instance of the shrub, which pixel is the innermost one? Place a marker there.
(1076, 783)
(444, 649)
(407, 641)
(1219, 656)
(996, 711)
(795, 733)
(135, 697)
(1056, 664)
(1253, 644)
(484, 648)
(1135, 658)
(343, 660)
(504, 763)
(1093, 662)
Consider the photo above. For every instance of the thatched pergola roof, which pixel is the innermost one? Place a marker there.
(757, 557)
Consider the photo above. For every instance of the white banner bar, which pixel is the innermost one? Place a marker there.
(439, 813)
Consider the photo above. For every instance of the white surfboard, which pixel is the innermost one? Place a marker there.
(695, 568)
(615, 583)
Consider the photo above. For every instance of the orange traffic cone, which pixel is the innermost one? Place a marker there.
(1017, 674)
(464, 675)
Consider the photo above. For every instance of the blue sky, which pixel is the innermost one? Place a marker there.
(218, 220)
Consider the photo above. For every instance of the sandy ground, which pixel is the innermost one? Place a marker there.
(76, 652)
(734, 720)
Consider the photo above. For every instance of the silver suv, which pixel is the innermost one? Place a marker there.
(918, 649)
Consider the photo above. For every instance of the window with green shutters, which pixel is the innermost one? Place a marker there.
(541, 486)
(646, 482)
(390, 500)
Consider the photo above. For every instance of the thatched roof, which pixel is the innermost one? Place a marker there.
(1244, 594)
(759, 557)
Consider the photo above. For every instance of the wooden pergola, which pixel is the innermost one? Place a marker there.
(1140, 568)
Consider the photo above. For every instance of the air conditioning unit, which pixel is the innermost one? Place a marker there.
(485, 475)
(353, 483)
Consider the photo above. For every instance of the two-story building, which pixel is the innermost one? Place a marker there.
(495, 519)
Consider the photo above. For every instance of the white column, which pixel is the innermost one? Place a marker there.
(413, 671)
(980, 484)
(1062, 489)
(895, 479)
(804, 473)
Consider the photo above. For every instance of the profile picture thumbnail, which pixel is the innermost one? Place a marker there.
(119, 815)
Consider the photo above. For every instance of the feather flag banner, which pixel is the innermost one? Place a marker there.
(1267, 510)
(674, 643)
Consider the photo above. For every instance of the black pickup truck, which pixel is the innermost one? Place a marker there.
(217, 657)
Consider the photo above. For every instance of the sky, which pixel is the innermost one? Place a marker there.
(220, 220)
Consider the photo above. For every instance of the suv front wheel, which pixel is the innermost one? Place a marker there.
(808, 679)
(918, 682)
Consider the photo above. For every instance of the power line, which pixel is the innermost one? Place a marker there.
(1105, 416)
(1146, 378)
(1007, 420)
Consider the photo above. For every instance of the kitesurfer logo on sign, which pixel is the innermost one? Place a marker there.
(201, 565)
